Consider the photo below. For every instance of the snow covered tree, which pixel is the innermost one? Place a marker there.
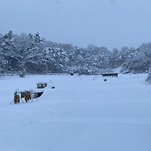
(148, 79)
(138, 60)
(32, 54)
(9, 53)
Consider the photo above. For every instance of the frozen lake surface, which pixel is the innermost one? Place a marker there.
(82, 113)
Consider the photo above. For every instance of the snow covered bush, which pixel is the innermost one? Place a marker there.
(148, 79)
(22, 73)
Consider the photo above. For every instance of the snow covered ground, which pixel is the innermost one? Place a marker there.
(83, 113)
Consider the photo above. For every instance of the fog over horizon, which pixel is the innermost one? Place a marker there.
(108, 23)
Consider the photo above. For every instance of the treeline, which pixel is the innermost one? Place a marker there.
(35, 55)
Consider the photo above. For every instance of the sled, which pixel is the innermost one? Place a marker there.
(19, 95)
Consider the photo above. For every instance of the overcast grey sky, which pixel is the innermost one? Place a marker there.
(109, 23)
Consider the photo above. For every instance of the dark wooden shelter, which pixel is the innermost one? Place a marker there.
(110, 74)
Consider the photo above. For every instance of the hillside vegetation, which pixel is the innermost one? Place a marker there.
(33, 54)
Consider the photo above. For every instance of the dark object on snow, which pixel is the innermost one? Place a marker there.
(105, 80)
(71, 74)
(110, 74)
(37, 94)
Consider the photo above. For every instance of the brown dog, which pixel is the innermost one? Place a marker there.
(41, 85)
(26, 95)
(16, 98)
